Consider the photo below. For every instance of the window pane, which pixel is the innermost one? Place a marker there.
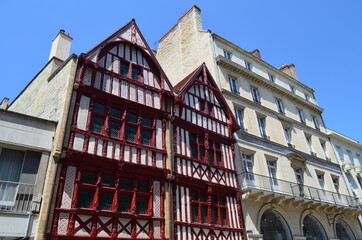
(135, 73)
(202, 105)
(130, 133)
(99, 108)
(202, 154)
(141, 205)
(125, 184)
(221, 200)
(124, 69)
(146, 122)
(214, 215)
(142, 186)
(97, 124)
(146, 137)
(105, 201)
(87, 177)
(194, 213)
(85, 198)
(218, 158)
(223, 216)
(124, 203)
(213, 200)
(211, 156)
(131, 118)
(194, 195)
(203, 214)
(113, 129)
(203, 197)
(209, 108)
(107, 181)
(115, 113)
(194, 151)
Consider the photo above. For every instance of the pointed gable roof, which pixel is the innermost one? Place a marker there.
(129, 33)
(185, 84)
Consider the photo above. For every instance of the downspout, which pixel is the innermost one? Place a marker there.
(56, 154)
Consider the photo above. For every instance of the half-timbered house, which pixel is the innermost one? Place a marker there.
(206, 196)
(112, 179)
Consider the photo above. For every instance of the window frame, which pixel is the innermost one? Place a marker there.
(301, 116)
(280, 106)
(248, 65)
(208, 202)
(262, 127)
(255, 95)
(248, 164)
(234, 88)
(271, 77)
(227, 54)
(239, 114)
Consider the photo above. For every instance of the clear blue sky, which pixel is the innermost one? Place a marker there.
(322, 38)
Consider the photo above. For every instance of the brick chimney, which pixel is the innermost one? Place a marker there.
(61, 46)
(4, 103)
(290, 70)
(256, 53)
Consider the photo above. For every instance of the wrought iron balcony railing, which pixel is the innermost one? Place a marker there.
(16, 197)
(297, 190)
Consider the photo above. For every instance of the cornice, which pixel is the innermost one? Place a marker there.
(262, 62)
(281, 117)
(237, 68)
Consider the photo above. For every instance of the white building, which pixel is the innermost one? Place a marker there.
(25, 146)
(292, 185)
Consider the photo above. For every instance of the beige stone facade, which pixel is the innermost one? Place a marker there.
(286, 162)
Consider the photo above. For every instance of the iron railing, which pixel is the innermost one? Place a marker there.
(16, 197)
(298, 190)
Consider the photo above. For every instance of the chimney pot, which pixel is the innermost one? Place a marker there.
(256, 53)
(290, 70)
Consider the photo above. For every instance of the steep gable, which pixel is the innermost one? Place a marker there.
(129, 44)
(204, 103)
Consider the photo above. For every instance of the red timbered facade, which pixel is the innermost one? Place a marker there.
(112, 178)
(206, 195)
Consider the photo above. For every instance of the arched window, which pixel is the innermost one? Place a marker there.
(274, 227)
(313, 229)
(344, 232)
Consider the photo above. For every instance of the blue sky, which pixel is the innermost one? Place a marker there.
(322, 38)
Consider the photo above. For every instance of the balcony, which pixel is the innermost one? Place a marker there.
(258, 187)
(16, 197)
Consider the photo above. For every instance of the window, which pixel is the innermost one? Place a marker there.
(248, 166)
(292, 89)
(272, 169)
(288, 136)
(255, 95)
(340, 153)
(233, 85)
(309, 143)
(321, 180)
(17, 166)
(350, 157)
(197, 147)
(210, 209)
(271, 77)
(248, 65)
(298, 175)
(306, 95)
(261, 122)
(100, 196)
(280, 106)
(239, 114)
(227, 54)
(336, 184)
(323, 145)
(316, 123)
(144, 124)
(301, 116)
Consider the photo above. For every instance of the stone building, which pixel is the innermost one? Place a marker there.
(292, 184)
(25, 146)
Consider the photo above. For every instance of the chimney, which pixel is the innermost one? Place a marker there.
(290, 70)
(256, 53)
(61, 46)
(4, 103)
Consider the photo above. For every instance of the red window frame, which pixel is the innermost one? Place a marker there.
(204, 207)
(107, 184)
(206, 150)
(116, 123)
